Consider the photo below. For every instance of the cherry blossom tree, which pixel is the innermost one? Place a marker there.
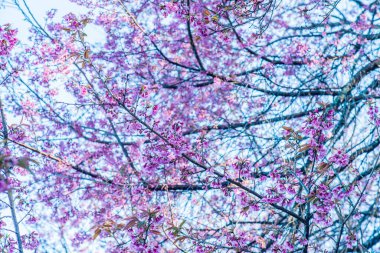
(192, 126)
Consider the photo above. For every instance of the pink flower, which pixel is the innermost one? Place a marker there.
(3, 186)
(340, 158)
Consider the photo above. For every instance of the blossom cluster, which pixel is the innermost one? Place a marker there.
(315, 128)
(373, 113)
(8, 41)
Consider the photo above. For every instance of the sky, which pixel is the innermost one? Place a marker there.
(9, 13)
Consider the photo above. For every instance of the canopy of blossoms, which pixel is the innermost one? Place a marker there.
(191, 126)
